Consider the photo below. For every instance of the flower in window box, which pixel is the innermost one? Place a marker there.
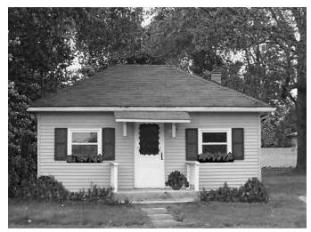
(219, 157)
(92, 158)
(100, 158)
(81, 158)
(205, 157)
(229, 157)
(70, 159)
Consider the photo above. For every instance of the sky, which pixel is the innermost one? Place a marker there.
(147, 18)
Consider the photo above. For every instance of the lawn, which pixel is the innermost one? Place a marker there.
(73, 215)
(284, 209)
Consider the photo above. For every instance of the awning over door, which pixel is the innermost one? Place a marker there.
(152, 116)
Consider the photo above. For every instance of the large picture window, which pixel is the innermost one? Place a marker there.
(214, 141)
(84, 142)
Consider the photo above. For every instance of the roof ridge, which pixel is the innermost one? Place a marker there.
(221, 86)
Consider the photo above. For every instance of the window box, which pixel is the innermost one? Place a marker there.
(215, 157)
(85, 158)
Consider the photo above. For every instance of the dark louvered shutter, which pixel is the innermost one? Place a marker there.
(108, 144)
(238, 143)
(191, 144)
(60, 143)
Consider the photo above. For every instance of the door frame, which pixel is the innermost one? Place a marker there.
(136, 148)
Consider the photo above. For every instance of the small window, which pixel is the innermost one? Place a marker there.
(214, 141)
(84, 142)
(149, 139)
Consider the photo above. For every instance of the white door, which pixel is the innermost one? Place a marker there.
(149, 155)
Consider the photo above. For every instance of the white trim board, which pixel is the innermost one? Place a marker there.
(207, 130)
(187, 109)
(154, 120)
(98, 143)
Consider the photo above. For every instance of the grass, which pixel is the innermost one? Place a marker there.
(74, 215)
(284, 209)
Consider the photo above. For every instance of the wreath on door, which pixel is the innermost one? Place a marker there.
(149, 139)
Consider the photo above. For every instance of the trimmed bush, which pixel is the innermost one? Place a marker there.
(252, 191)
(46, 188)
(176, 180)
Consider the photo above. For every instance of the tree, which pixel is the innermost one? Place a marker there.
(39, 45)
(42, 45)
(107, 35)
(267, 44)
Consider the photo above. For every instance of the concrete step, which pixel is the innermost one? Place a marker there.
(161, 216)
(165, 223)
(157, 195)
(155, 210)
(166, 201)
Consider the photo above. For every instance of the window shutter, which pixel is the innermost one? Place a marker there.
(108, 143)
(191, 144)
(238, 143)
(60, 143)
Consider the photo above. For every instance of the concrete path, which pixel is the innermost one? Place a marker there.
(160, 217)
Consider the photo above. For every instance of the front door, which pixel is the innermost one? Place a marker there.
(149, 155)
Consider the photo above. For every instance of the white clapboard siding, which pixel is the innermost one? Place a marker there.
(77, 176)
(213, 175)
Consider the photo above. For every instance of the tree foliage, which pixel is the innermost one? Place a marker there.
(262, 49)
(107, 35)
(42, 44)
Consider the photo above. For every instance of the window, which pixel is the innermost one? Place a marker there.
(214, 141)
(84, 141)
(149, 139)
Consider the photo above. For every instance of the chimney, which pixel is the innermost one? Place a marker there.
(216, 75)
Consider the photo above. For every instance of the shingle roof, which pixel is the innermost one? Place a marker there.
(147, 86)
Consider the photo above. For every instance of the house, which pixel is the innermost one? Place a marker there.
(130, 126)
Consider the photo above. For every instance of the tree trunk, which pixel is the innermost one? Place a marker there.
(301, 129)
(300, 17)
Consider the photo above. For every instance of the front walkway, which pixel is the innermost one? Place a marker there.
(160, 217)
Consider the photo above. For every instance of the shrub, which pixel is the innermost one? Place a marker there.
(43, 188)
(46, 188)
(176, 180)
(252, 191)
(93, 194)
